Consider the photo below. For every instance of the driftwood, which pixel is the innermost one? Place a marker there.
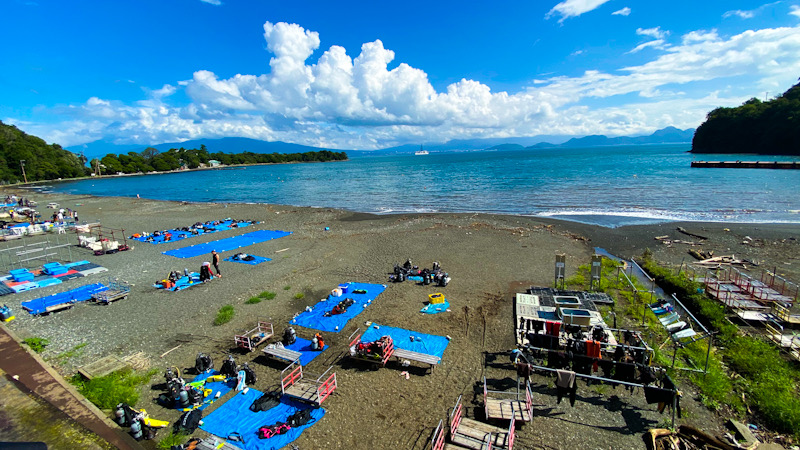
(683, 230)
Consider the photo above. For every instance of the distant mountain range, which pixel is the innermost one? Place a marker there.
(667, 135)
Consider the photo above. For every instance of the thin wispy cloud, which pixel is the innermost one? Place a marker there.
(656, 33)
(574, 8)
(622, 12)
(658, 43)
(748, 14)
(795, 11)
(212, 2)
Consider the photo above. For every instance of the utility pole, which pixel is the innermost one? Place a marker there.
(22, 165)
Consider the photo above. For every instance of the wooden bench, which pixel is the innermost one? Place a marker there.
(508, 405)
(424, 358)
(471, 434)
(305, 387)
(251, 339)
(283, 353)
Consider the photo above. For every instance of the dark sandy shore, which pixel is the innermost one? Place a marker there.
(489, 258)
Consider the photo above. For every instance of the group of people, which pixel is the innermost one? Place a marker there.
(20, 201)
(62, 214)
(205, 270)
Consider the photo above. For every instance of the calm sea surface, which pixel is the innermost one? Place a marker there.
(608, 186)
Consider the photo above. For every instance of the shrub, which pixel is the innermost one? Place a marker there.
(286, 288)
(253, 301)
(299, 295)
(36, 344)
(224, 315)
(115, 388)
(269, 295)
(171, 439)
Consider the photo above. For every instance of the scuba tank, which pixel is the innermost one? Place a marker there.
(228, 368)
(119, 414)
(136, 430)
(183, 398)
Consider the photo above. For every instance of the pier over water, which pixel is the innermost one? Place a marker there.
(748, 164)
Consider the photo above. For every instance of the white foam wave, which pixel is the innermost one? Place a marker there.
(743, 216)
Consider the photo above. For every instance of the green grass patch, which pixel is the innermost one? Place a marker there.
(299, 295)
(268, 295)
(170, 440)
(253, 301)
(766, 378)
(36, 344)
(286, 288)
(115, 388)
(224, 315)
(75, 351)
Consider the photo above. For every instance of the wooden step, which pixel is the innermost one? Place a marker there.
(501, 409)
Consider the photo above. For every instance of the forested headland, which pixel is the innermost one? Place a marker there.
(21, 152)
(769, 128)
(151, 160)
(27, 158)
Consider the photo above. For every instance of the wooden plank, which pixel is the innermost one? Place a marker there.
(102, 367)
(283, 353)
(303, 391)
(501, 409)
(480, 426)
(415, 356)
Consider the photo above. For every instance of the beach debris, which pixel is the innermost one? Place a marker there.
(719, 261)
(281, 250)
(683, 230)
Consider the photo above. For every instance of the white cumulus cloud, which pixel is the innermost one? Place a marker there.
(369, 100)
(574, 8)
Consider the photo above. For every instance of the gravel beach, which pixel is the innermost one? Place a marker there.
(488, 257)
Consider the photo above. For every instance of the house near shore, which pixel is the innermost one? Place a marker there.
(214, 163)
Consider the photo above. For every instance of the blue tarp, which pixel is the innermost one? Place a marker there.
(235, 416)
(316, 317)
(81, 294)
(224, 245)
(256, 260)
(180, 234)
(304, 347)
(184, 282)
(216, 386)
(430, 344)
(435, 308)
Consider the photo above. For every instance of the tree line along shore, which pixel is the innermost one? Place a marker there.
(25, 158)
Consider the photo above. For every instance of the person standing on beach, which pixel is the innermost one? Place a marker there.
(215, 261)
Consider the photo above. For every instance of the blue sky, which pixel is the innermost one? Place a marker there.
(364, 75)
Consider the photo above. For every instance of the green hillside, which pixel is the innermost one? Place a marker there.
(768, 128)
(41, 161)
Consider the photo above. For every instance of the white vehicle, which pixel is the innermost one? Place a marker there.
(52, 205)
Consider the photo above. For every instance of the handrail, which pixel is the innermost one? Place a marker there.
(437, 440)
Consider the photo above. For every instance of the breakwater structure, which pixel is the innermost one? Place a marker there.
(748, 164)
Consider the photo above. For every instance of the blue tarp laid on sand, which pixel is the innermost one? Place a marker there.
(180, 234)
(429, 344)
(215, 386)
(235, 416)
(224, 245)
(316, 317)
(81, 294)
(304, 346)
(184, 282)
(253, 262)
(435, 308)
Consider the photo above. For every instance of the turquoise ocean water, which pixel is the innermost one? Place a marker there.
(608, 186)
